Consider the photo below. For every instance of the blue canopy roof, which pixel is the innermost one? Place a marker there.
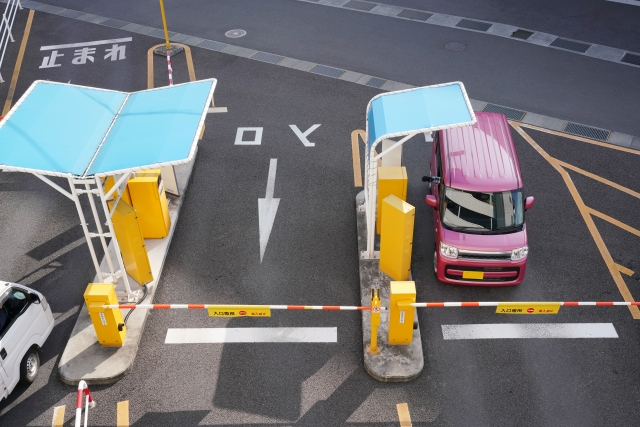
(422, 109)
(69, 130)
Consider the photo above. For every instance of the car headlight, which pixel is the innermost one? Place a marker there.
(448, 251)
(519, 253)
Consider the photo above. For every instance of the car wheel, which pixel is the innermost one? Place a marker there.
(30, 366)
(435, 263)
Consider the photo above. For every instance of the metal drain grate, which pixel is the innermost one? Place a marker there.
(473, 25)
(114, 23)
(570, 45)
(587, 131)
(327, 71)
(376, 82)
(521, 34)
(630, 58)
(71, 13)
(360, 5)
(415, 14)
(511, 113)
(267, 57)
(211, 45)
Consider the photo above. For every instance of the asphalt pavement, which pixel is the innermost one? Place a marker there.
(494, 69)
(311, 258)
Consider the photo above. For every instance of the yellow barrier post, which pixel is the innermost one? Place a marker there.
(391, 180)
(396, 239)
(164, 24)
(107, 322)
(373, 348)
(401, 312)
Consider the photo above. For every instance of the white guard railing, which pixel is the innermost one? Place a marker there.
(6, 24)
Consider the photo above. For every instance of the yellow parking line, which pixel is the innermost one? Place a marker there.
(403, 414)
(629, 272)
(122, 415)
(58, 413)
(586, 216)
(614, 221)
(355, 152)
(578, 138)
(600, 179)
(16, 70)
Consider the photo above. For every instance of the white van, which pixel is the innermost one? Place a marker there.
(28, 323)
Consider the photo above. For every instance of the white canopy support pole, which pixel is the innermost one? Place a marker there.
(101, 234)
(372, 186)
(55, 186)
(83, 222)
(128, 294)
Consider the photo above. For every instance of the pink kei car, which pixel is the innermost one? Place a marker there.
(478, 205)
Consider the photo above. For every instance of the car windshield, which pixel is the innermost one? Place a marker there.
(487, 213)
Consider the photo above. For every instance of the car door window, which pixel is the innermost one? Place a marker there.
(13, 306)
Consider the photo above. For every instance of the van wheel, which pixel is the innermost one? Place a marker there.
(435, 263)
(30, 366)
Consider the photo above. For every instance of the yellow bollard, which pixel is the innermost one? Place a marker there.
(164, 25)
(107, 322)
(401, 313)
(373, 348)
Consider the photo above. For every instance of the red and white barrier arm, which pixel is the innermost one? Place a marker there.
(222, 306)
(83, 390)
(507, 303)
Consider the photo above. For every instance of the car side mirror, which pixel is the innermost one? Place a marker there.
(34, 299)
(432, 201)
(435, 179)
(528, 202)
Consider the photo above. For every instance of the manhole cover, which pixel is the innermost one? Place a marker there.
(455, 46)
(234, 34)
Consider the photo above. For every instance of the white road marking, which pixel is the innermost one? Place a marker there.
(267, 208)
(528, 330)
(251, 335)
(303, 136)
(240, 134)
(217, 110)
(95, 43)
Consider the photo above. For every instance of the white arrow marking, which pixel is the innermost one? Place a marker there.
(267, 208)
(303, 136)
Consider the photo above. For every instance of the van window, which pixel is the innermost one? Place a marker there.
(436, 141)
(485, 213)
(13, 306)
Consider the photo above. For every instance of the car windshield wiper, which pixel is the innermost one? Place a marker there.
(461, 228)
(503, 230)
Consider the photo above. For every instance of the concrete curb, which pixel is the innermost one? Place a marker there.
(394, 363)
(83, 357)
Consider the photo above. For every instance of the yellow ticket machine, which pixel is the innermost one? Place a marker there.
(401, 312)
(108, 185)
(131, 242)
(107, 322)
(396, 239)
(150, 201)
(391, 180)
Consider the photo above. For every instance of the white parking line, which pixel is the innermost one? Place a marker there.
(631, 2)
(528, 330)
(250, 335)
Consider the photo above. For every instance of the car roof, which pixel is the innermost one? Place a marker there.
(481, 157)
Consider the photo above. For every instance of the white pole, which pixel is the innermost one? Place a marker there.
(96, 217)
(83, 222)
(114, 241)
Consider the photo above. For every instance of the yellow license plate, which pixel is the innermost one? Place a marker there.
(479, 275)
